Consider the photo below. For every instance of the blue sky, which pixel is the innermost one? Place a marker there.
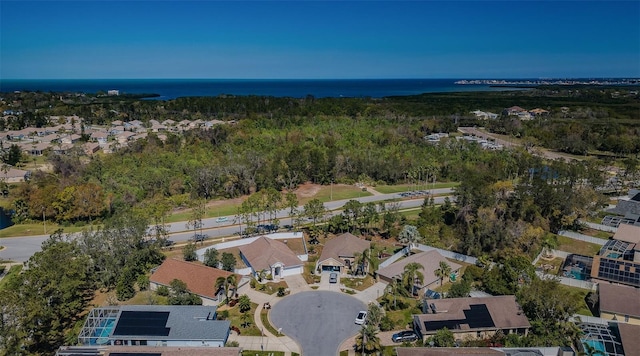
(319, 39)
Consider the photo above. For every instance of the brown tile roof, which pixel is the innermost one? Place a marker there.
(175, 351)
(621, 300)
(446, 351)
(504, 311)
(629, 338)
(628, 233)
(430, 260)
(344, 245)
(200, 279)
(265, 252)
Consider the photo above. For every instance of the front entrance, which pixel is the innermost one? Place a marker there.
(330, 269)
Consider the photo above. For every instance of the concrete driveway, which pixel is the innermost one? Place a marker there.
(318, 320)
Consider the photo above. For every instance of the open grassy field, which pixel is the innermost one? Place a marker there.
(398, 188)
(326, 193)
(37, 229)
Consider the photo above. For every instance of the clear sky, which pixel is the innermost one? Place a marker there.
(319, 39)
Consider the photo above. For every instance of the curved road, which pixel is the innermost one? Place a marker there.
(19, 249)
(318, 320)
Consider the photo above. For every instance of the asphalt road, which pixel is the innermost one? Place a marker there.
(319, 320)
(19, 249)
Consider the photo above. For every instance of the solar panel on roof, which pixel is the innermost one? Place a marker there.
(477, 316)
(137, 323)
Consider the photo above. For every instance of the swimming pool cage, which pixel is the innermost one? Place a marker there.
(98, 326)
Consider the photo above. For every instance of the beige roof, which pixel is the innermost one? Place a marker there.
(343, 246)
(504, 311)
(628, 233)
(265, 252)
(430, 261)
(621, 300)
(200, 279)
(446, 351)
(629, 338)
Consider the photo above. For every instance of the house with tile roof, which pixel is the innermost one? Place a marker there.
(474, 318)
(272, 256)
(339, 253)
(200, 279)
(620, 303)
(430, 262)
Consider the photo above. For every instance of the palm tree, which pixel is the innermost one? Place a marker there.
(231, 282)
(411, 275)
(409, 235)
(367, 341)
(374, 315)
(443, 271)
(591, 351)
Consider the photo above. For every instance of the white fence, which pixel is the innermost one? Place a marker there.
(581, 237)
(450, 254)
(569, 281)
(600, 226)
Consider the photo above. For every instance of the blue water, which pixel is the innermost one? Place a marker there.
(173, 88)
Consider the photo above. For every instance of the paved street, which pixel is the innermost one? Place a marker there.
(318, 320)
(19, 249)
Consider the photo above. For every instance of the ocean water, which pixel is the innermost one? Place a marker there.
(173, 88)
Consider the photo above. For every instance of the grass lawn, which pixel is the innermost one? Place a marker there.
(222, 208)
(597, 233)
(358, 283)
(13, 271)
(235, 316)
(308, 277)
(577, 247)
(579, 295)
(411, 213)
(552, 266)
(398, 188)
(337, 192)
(264, 317)
(402, 317)
(37, 229)
(271, 287)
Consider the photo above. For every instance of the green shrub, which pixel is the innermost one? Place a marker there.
(162, 291)
(281, 292)
(386, 323)
(143, 282)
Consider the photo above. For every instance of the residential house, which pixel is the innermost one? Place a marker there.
(338, 253)
(472, 318)
(124, 137)
(619, 259)
(35, 148)
(513, 111)
(155, 325)
(61, 149)
(629, 338)
(430, 262)
(200, 279)
(91, 148)
(100, 137)
(620, 303)
(539, 112)
(482, 115)
(484, 351)
(629, 208)
(70, 139)
(272, 256)
(147, 351)
(14, 175)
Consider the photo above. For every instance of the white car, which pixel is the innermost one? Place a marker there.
(222, 219)
(361, 318)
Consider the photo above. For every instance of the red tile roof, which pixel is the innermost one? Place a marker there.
(200, 279)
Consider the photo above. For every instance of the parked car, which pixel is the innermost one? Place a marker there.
(222, 219)
(333, 277)
(361, 318)
(200, 237)
(407, 335)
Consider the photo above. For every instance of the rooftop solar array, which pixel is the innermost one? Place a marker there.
(477, 317)
(625, 272)
(142, 323)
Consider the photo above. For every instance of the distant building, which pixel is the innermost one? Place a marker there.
(113, 92)
(154, 325)
(619, 259)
